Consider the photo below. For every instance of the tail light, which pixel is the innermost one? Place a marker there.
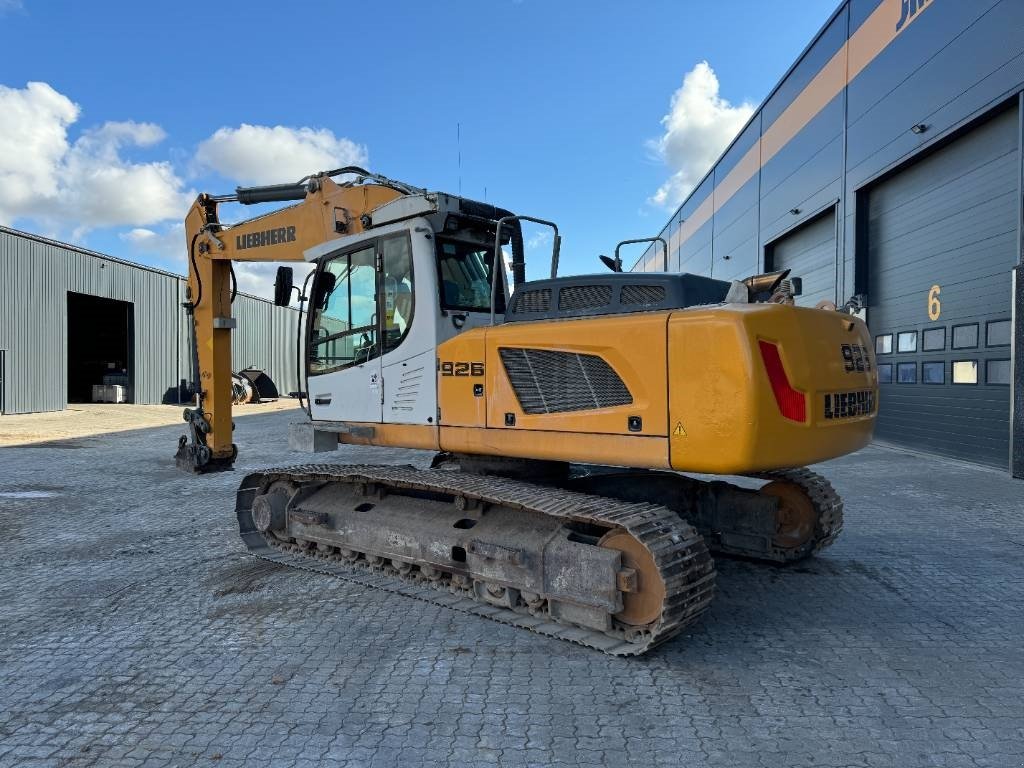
(792, 403)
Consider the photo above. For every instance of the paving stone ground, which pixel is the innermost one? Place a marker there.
(134, 630)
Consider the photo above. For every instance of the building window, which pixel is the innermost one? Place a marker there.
(997, 333)
(965, 336)
(906, 373)
(884, 373)
(933, 339)
(965, 371)
(933, 373)
(883, 344)
(997, 371)
(907, 342)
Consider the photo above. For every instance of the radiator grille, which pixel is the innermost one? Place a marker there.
(557, 382)
(533, 301)
(642, 294)
(585, 297)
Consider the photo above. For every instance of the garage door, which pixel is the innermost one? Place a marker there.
(942, 240)
(810, 252)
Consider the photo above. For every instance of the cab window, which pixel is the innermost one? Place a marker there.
(396, 290)
(464, 269)
(354, 306)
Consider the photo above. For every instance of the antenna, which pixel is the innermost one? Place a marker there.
(458, 146)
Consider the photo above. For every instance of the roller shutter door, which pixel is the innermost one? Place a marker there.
(810, 252)
(942, 240)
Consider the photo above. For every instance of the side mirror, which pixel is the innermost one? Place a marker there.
(283, 286)
(615, 265)
(323, 287)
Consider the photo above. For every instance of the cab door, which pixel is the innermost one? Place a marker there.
(344, 341)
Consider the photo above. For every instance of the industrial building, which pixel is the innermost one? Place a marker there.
(886, 168)
(70, 317)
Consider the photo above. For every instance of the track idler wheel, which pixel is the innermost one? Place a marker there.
(796, 518)
(643, 590)
(269, 509)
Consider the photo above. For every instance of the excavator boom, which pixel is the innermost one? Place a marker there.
(327, 211)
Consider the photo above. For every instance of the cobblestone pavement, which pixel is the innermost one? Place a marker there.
(136, 631)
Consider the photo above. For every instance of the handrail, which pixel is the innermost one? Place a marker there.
(556, 248)
(645, 240)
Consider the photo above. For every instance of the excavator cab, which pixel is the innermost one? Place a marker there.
(383, 300)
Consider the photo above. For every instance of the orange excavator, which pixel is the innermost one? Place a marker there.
(568, 416)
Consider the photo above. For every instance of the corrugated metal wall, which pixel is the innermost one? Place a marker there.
(35, 277)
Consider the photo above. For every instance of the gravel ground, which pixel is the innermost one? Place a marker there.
(137, 631)
(88, 419)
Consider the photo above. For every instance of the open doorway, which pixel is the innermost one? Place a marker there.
(100, 343)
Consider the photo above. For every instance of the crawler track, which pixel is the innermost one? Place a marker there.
(828, 509)
(678, 551)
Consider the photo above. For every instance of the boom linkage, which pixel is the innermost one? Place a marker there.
(325, 210)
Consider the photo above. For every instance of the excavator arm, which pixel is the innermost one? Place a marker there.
(325, 210)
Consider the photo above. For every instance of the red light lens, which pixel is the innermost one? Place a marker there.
(792, 404)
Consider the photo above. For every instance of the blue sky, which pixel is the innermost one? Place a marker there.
(581, 112)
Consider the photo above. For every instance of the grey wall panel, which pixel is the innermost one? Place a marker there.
(34, 325)
(674, 247)
(738, 149)
(829, 42)
(31, 327)
(250, 343)
(736, 234)
(283, 327)
(960, 71)
(695, 253)
(818, 145)
(950, 221)
(810, 189)
(35, 277)
(265, 339)
(741, 261)
(739, 208)
(697, 197)
(916, 48)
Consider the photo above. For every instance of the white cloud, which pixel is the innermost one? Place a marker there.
(81, 185)
(7, 6)
(108, 191)
(259, 154)
(33, 143)
(699, 126)
(68, 185)
(166, 245)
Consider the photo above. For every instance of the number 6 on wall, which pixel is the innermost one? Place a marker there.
(934, 305)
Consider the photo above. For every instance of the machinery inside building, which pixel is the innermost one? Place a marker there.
(100, 342)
